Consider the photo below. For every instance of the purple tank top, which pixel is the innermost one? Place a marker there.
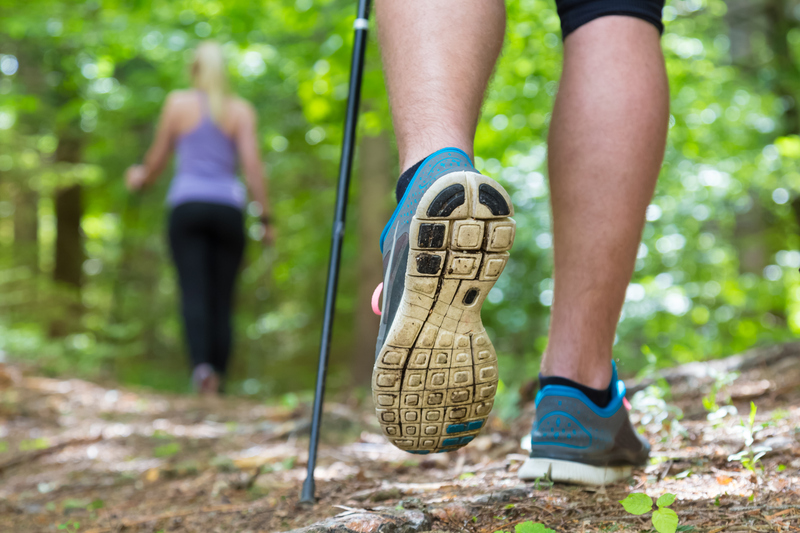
(206, 167)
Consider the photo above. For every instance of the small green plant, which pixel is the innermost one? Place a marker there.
(717, 412)
(750, 455)
(657, 413)
(167, 450)
(664, 519)
(33, 444)
(95, 505)
(70, 526)
(539, 482)
(779, 415)
(684, 474)
(529, 527)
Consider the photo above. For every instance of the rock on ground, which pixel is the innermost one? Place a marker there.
(382, 521)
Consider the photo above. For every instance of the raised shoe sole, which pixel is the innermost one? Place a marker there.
(435, 377)
(575, 473)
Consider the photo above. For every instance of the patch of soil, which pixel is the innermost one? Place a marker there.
(82, 457)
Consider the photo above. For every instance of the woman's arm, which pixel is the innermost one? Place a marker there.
(157, 157)
(247, 147)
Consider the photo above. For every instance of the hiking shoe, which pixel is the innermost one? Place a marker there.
(205, 380)
(446, 244)
(575, 441)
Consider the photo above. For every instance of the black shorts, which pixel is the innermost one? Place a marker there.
(576, 13)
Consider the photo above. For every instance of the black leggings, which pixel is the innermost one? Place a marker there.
(207, 242)
(576, 13)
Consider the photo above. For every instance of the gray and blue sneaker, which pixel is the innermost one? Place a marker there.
(575, 441)
(446, 244)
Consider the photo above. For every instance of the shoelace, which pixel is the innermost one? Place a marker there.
(376, 296)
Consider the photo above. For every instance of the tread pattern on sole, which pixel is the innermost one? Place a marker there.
(492, 199)
(447, 201)
(435, 378)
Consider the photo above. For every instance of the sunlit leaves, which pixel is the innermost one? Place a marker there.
(637, 503)
(665, 500)
(665, 520)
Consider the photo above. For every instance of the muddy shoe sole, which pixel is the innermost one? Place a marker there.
(435, 377)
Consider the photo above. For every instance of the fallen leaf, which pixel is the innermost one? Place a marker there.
(151, 475)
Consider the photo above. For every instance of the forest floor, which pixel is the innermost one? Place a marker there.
(78, 456)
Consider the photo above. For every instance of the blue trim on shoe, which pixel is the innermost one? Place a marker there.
(570, 419)
(618, 393)
(410, 184)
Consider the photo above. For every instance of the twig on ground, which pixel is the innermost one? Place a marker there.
(38, 454)
(779, 513)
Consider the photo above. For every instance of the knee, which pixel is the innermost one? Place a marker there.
(576, 13)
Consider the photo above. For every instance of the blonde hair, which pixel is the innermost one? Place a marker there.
(210, 76)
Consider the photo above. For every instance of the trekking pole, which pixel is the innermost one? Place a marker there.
(345, 164)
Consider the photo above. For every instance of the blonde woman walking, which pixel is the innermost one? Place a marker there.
(211, 130)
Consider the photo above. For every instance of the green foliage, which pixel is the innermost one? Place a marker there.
(750, 455)
(33, 444)
(637, 503)
(664, 520)
(716, 272)
(95, 505)
(721, 381)
(656, 412)
(529, 527)
(71, 503)
(167, 450)
(665, 500)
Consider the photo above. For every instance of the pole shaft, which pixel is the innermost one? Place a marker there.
(345, 168)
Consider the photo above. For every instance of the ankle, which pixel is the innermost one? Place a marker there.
(411, 155)
(589, 373)
(600, 397)
(440, 162)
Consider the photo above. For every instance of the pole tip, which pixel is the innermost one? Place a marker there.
(307, 495)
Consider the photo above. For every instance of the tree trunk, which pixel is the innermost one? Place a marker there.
(26, 228)
(376, 179)
(69, 245)
(69, 255)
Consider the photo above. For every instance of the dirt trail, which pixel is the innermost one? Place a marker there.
(81, 457)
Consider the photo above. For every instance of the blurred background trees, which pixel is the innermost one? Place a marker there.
(85, 282)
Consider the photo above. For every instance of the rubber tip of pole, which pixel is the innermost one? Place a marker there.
(307, 494)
